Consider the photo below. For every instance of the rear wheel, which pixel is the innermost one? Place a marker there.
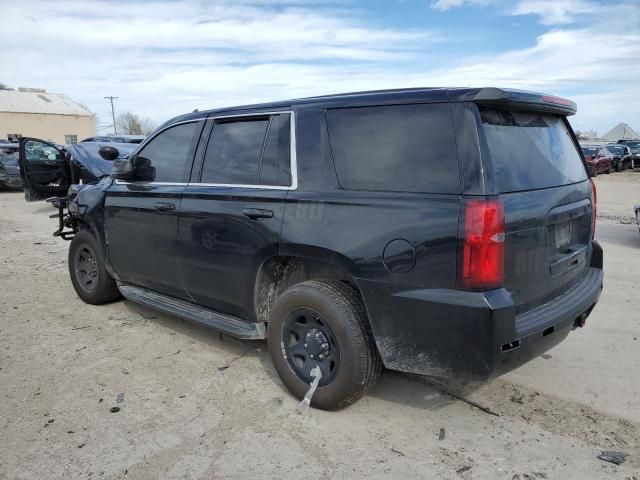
(89, 277)
(610, 169)
(323, 323)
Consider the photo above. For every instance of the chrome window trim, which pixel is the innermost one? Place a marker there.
(142, 182)
(293, 159)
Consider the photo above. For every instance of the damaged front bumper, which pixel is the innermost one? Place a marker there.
(67, 225)
(472, 336)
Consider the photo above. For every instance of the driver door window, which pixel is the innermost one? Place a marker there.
(166, 157)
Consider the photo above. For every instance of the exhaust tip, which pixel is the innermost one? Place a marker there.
(580, 321)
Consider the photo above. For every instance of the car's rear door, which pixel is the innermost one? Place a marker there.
(141, 215)
(232, 210)
(43, 168)
(536, 168)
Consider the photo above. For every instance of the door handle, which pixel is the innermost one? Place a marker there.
(50, 162)
(255, 213)
(164, 207)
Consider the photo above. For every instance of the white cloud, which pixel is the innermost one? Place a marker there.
(443, 5)
(555, 12)
(167, 58)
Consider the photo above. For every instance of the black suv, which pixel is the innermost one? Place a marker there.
(444, 232)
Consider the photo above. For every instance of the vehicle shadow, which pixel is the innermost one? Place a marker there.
(415, 391)
(200, 333)
(6, 189)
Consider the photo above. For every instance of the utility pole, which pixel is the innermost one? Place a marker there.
(113, 115)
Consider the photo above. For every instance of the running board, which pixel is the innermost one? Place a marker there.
(188, 311)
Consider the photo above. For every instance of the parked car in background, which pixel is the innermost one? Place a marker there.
(637, 212)
(9, 169)
(116, 138)
(634, 145)
(50, 169)
(598, 159)
(442, 232)
(621, 156)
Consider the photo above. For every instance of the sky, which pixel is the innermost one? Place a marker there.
(163, 58)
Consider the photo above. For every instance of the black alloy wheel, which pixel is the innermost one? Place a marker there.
(308, 342)
(85, 266)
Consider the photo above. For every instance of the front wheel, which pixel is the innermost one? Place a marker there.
(323, 323)
(610, 169)
(89, 277)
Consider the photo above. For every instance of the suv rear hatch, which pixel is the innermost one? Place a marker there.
(538, 172)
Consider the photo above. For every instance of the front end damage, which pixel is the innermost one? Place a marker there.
(82, 206)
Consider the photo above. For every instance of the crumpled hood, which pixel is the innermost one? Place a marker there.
(86, 155)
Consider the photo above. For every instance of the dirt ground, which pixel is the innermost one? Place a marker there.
(199, 405)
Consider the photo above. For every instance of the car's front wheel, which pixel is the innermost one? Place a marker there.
(89, 277)
(323, 324)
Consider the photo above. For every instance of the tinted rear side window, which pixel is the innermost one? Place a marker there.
(274, 166)
(403, 148)
(249, 152)
(233, 154)
(531, 151)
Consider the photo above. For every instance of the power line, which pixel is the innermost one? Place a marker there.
(113, 115)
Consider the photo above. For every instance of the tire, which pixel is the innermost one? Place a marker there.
(337, 311)
(610, 169)
(95, 286)
(31, 196)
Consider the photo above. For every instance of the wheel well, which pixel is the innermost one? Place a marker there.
(279, 273)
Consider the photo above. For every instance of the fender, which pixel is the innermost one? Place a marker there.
(86, 206)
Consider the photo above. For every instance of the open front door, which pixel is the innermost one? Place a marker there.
(43, 169)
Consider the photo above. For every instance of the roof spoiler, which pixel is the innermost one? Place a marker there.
(523, 100)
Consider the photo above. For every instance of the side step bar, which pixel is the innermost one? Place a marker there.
(188, 311)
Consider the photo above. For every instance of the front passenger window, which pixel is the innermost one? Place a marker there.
(165, 157)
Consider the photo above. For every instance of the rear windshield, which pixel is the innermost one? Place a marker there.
(530, 150)
(589, 150)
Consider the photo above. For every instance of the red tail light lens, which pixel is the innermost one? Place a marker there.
(595, 203)
(483, 250)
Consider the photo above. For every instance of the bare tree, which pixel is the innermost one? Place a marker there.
(128, 123)
(580, 135)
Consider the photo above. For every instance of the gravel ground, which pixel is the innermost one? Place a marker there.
(194, 404)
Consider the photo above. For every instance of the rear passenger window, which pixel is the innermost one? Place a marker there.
(165, 157)
(249, 152)
(274, 167)
(403, 148)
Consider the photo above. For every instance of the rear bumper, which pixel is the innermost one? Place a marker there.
(472, 335)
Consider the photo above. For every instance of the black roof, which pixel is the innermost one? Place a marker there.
(487, 96)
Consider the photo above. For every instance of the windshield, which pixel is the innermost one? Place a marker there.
(589, 150)
(531, 150)
(615, 149)
(633, 145)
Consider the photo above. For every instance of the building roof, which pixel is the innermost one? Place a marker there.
(622, 131)
(40, 101)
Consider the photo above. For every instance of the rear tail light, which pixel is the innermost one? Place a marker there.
(595, 203)
(483, 247)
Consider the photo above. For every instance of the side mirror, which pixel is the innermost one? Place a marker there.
(122, 169)
(109, 153)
